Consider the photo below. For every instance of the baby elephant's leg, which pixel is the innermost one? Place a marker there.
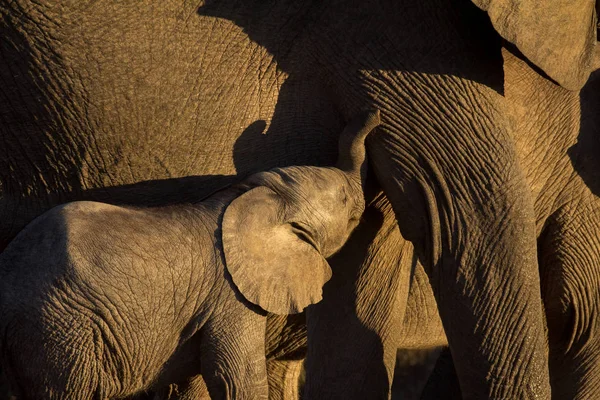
(233, 354)
(54, 356)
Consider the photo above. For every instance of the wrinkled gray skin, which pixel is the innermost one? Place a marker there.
(557, 136)
(116, 102)
(100, 301)
(565, 182)
(559, 148)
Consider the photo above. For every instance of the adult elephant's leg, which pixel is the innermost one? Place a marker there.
(450, 170)
(557, 134)
(353, 332)
(192, 389)
(285, 379)
(422, 332)
(570, 265)
(422, 327)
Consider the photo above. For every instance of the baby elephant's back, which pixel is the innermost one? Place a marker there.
(84, 283)
(74, 241)
(38, 256)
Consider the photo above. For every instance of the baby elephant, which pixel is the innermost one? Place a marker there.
(99, 301)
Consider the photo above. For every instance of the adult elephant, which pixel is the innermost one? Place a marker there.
(115, 102)
(558, 135)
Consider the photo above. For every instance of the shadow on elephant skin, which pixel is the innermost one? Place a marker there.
(308, 98)
(35, 151)
(254, 150)
(584, 153)
(277, 26)
(160, 192)
(347, 268)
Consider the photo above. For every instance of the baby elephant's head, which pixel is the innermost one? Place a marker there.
(277, 235)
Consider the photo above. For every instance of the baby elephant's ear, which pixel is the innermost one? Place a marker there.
(268, 262)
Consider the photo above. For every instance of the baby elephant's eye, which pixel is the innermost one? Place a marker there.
(353, 222)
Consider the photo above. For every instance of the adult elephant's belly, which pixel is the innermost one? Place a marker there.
(94, 102)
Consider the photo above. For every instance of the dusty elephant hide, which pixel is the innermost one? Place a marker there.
(122, 102)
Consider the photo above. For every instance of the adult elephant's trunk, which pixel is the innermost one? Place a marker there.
(352, 153)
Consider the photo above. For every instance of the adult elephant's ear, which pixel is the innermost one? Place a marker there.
(269, 262)
(559, 36)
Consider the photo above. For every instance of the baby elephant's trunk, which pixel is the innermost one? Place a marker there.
(352, 153)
